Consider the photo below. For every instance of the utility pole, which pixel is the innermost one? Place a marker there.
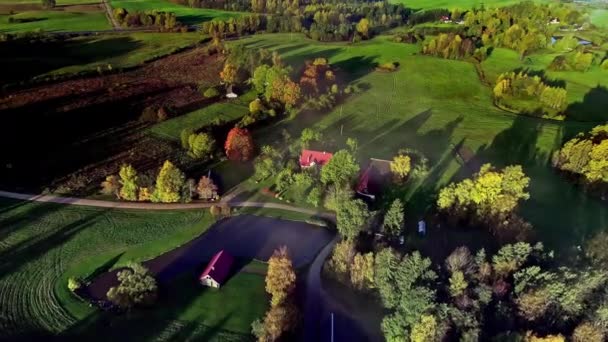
(332, 327)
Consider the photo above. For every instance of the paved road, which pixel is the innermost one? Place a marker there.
(111, 18)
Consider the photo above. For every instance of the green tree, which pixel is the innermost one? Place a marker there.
(201, 145)
(185, 138)
(351, 217)
(457, 284)
(128, 180)
(315, 196)
(309, 135)
(363, 27)
(342, 259)
(353, 145)
(301, 183)
(259, 78)
(340, 169)
(337, 195)
(136, 287)
(47, 4)
(169, 184)
(394, 219)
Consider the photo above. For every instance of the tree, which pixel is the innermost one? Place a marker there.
(301, 183)
(425, 330)
(342, 259)
(169, 184)
(531, 337)
(351, 217)
(283, 179)
(363, 27)
(201, 145)
(457, 284)
(259, 78)
(400, 167)
(74, 283)
(47, 4)
(239, 144)
(111, 186)
(362, 271)
(278, 320)
(587, 332)
(280, 278)
(394, 219)
(337, 195)
(256, 107)
(206, 189)
(137, 287)
(128, 180)
(185, 138)
(352, 144)
(340, 169)
(309, 135)
(315, 196)
(230, 73)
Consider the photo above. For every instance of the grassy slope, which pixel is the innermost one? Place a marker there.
(599, 17)
(431, 104)
(187, 15)
(56, 21)
(43, 244)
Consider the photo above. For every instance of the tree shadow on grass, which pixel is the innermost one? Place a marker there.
(21, 58)
(594, 107)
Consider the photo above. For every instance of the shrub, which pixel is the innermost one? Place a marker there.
(211, 93)
(137, 288)
(587, 332)
(74, 284)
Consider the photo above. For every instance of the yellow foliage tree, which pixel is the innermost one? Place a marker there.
(401, 166)
(280, 278)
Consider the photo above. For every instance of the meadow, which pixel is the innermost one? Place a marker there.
(42, 245)
(434, 106)
(186, 15)
(599, 17)
(54, 21)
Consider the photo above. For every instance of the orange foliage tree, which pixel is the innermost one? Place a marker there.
(239, 144)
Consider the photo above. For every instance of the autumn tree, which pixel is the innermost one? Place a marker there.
(128, 181)
(400, 167)
(340, 169)
(424, 330)
(394, 219)
(239, 144)
(230, 73)
(169, 184)
(281, 277)
(111, 186)
(206, 189)
(362, 271)
(341, 259)
(587, 332)
(363, 27)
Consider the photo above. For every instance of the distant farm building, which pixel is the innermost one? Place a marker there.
(218, 270)
(374, 178)
(310, 158)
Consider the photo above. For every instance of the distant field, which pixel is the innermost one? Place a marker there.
(599, 17)
(53, 21)
(87, 53)
(432, 105)
(186, 15)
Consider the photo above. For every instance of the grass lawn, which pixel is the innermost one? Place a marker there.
(83, 54)
(54, 21)
(186, 15)
(227, 110)
(431, 105)
(599, 17)
(41, 245)
(58, 2)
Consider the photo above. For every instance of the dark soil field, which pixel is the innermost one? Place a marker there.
(78, 131)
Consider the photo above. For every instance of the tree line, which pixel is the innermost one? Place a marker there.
(323, 22)
(585, 158)
(522, 86)
(453, 46)
(161, 20)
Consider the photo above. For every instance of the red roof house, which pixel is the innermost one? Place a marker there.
(218, 270)
(310, 158)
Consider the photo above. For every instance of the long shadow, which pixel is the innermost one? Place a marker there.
(593, 107)
(21, 57)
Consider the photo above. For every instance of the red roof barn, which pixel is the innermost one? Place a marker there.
(218, 270)
(373, 179)
(310, 158)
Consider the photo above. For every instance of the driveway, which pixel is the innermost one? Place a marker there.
(245, 237)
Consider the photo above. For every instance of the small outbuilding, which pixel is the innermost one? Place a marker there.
(310, 158)
(374, 178)
(217, 270)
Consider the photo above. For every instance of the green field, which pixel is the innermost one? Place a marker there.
(186, 15)
(84, 54)
(53, 21)
(58, 2)
(432, 104)
(599, 17)
(41, 245)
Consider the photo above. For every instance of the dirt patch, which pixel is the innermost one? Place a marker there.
(95, 7)
(89, 126)
(16, 8)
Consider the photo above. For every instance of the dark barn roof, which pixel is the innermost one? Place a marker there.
(374, 177)
(219, 267)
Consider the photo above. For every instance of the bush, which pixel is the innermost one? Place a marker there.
(137, 288)
(211, 93)
(74, 284)
(388, 67)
